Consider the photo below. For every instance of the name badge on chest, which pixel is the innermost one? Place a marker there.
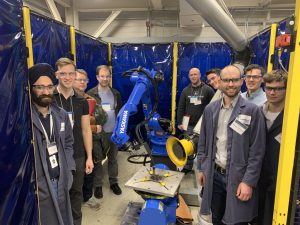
(238, 126)
(52, 148)
(106, 107)
(53, 161)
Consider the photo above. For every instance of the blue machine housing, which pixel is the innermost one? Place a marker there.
(160, 211)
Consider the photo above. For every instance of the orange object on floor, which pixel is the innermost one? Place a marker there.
(183, 212)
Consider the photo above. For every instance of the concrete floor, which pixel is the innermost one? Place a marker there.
(113, 207)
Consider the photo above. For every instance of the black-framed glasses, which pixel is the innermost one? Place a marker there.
(228, 80)
(43, 87)
(254, 77)
(82, 80)
(275, 89)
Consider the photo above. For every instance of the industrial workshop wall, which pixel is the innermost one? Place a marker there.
(90, 53)
(17, 196)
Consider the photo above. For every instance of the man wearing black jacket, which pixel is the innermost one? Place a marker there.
(275, 88)
(110, 100)
(191, 105)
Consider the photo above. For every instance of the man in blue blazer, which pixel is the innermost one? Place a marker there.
(230, 154)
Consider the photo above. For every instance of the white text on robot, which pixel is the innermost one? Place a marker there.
(123, 124)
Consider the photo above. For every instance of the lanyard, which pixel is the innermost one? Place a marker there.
(51, 129)
(71, 104)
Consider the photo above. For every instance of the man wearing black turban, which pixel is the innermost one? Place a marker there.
(53, 147)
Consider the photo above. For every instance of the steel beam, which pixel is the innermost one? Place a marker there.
(53, 9)
(106, 23)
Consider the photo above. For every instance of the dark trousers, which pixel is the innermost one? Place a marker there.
(218, 203)
(76, 190)
(112, 167)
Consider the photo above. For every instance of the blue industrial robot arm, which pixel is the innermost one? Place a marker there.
(142, 80)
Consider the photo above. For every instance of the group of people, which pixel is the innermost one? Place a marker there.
(239, 141)
(71, 139)
(237, 155)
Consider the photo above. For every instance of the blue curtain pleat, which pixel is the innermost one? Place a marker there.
(17, 197)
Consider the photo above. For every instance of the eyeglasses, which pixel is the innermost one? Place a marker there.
(43, 88)
(82, 80)
(275, 89)
(64, 74)
(254, 77)
(228, 80)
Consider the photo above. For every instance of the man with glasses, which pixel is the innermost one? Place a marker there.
(78, 112)
(192, 102)
(53, 145)
(230, 153)
(275, 86)
(110, 100)
(254, 78)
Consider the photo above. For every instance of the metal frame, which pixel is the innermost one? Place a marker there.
(73, 42)
(289, 132)
(272, 47)
(28, 40)
(174, 85)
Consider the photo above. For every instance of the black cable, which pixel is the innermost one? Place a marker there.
(139, 155)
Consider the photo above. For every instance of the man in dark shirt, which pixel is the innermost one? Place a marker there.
(192, 102)
(78, 111)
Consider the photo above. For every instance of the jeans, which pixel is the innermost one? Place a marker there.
(54, 183)
(218, 203)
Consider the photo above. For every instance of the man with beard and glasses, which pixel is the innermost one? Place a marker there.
(230, 153)
(53, 147)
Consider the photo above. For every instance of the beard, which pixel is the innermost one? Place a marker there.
(42, 100)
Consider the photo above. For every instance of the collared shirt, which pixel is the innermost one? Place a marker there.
(221, 134)
(258, 97)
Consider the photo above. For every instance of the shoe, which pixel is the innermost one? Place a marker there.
(92, 203)
(98, 192)
(186, 171)
(116, 189)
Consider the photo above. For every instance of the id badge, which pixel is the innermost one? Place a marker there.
(238, 127)
(193, 99)
(185, 122)
(71, 118)
(106, 107)
(198, 101)
(52, 149)
(53, 161)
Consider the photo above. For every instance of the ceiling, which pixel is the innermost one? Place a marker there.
(167, 12)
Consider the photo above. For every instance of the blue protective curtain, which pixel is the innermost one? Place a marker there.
(260, 47)
(17, 196)
(90, 53)
(149, 56)
(201, 55)
(50, 40)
